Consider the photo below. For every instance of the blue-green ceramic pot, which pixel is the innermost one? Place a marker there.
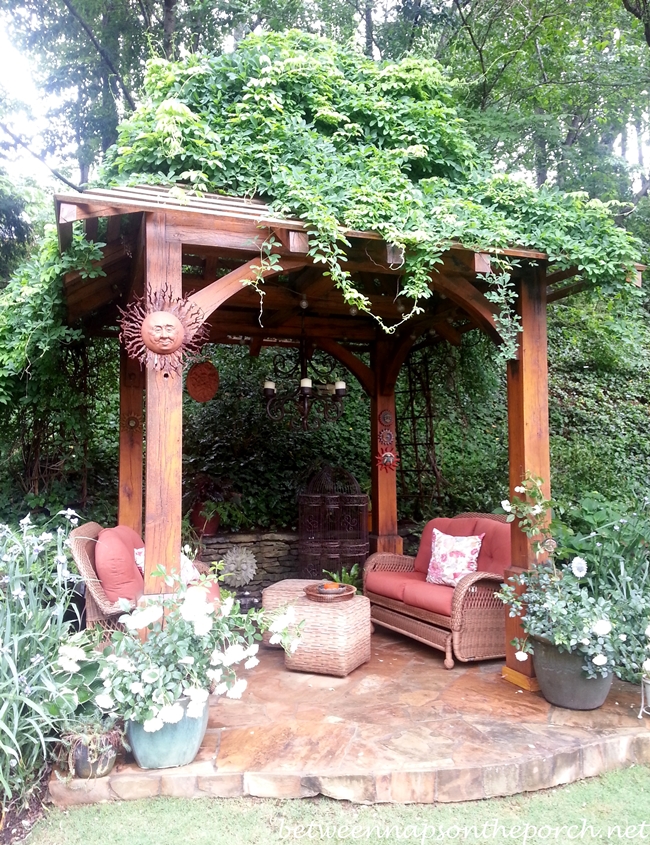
(173, 745)
(563, 681)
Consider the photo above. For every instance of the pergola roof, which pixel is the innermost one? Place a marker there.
(220, 234)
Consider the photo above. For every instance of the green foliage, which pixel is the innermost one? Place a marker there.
(352, 576)
(342, 141)
(37, 692)
(264, 464)
(15, 231)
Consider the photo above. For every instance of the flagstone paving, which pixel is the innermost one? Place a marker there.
(400, 728)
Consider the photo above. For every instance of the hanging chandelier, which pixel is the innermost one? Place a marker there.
(315, 396)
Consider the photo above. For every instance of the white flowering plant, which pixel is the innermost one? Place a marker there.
(184, 646)
(558, 607)
(532, 509)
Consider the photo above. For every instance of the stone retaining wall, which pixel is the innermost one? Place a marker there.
(276, 555)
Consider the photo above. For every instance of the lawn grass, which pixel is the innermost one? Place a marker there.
(611, 808)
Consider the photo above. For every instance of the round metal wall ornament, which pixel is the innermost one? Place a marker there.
(386, 437)
(202, 381)
(386, 418)
(387, 459)
(159, 330)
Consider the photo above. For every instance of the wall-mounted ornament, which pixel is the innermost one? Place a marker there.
(130, 422)
(159, 330)
(386, 418)
(202, 381)
(387, 459)
(386, 437)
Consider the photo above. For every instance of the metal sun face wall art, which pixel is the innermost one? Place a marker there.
(160, 330)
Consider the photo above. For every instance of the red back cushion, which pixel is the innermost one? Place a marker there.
(130, 538)
(115, 565)
(495, 548)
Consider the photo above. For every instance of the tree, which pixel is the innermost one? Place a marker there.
(15, 231)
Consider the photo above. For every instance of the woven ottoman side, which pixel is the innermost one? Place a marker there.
(281, 593)
(335, 637)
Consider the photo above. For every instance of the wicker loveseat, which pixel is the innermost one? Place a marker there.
(467, 621)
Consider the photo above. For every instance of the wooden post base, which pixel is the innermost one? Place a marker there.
(519, 679)
(391, 543)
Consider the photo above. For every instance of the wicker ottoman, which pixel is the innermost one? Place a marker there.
(283, 592)
(335, 637)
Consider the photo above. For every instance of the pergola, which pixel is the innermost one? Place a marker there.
(205, 249)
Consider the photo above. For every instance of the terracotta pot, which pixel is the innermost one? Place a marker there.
(563, 681)
(208, 527)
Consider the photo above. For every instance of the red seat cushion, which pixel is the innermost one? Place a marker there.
(392, 584)
(495, 548)
(116, 568)
(434, 597)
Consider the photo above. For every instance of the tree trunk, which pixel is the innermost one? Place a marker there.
(369, 49)
(169, 28)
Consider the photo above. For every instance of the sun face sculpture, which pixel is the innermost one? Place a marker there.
(160, 330)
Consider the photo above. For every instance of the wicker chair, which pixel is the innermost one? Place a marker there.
(475, 630)
(100, 612)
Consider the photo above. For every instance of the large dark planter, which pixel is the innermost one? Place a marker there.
(173, 745)
(563, 681)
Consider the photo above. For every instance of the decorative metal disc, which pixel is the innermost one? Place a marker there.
(202, 381)
(386, 437)
(386, 418)
(387, 460)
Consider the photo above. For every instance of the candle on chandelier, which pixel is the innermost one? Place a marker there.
(305, 382)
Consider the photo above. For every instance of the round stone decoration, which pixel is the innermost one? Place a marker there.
(386, 418)
(202, 381)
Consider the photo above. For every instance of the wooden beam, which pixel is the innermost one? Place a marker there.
(359, 370)
(384, 536)
(310, 283)
(528, 426)
(553, 295)
(293, 240)
(208, 299)
(129, 510)
(164, 420)
(256, 346)
(470, 299)
(557, 276)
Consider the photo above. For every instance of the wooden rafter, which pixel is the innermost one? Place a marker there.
(470, 299)
(359, 370)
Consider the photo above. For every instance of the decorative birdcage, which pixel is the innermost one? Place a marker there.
(333, 528)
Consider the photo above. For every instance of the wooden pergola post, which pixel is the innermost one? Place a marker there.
(130, 454)
(384, 536)
(164, 421)
(528, 431)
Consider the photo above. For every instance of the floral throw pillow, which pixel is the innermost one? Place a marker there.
(452, 557)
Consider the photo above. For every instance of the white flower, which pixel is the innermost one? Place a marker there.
(124, 664)
(18, 593)
(237, 688)
(602, 628)
(293, 645)
(171, 713)
(143, 618)
(519, 489)
(507, 507)
(25, 521)
(646, 667)
(579, 567)
(188, 660)
(104, 701)
(72, 652)
(67, 513)
(195, 709)
(521, 655)
(599, 660)
(616, 527)
(216, 658)
(585, 641)
(203, 625)
(622, 637)
(226, 606)
(252, 650)
(68, 665)
(74, 521)
(283, 621)
(214, 674)
(197, 693)
(251, 663)
(137, 688)
(536, 510)
(233, 654)
(221, 688)
(153, 725)
(151, 675)
(647, 632)
(274, 639)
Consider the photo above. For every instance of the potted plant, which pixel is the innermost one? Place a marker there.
(174, 652)
(89, 744)
(238, 569)
(568, 628)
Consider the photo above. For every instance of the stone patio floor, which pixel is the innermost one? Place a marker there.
(401, 728)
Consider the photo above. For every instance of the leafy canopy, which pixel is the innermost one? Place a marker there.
(344, 142)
